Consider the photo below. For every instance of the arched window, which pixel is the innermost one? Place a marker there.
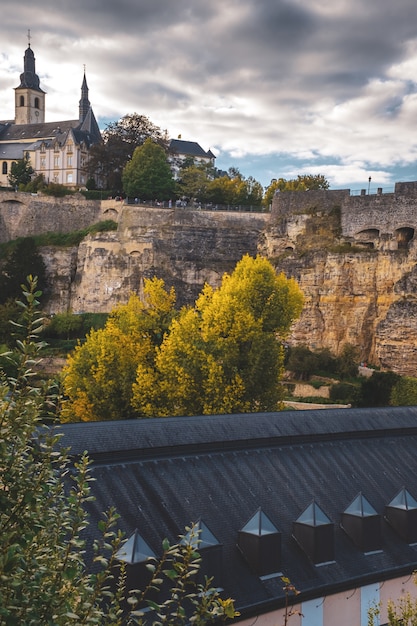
(4, 168)
(36, 103)
(22, 101)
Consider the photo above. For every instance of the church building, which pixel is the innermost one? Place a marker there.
(58, 150)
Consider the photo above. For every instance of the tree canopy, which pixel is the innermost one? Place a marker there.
(23, 259)
(148, 174)
(303, 182)
(21, 172)
(222, 355)
(120, 139)
(203, 183)
(100, 373)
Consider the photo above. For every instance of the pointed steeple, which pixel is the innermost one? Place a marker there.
(84, 102)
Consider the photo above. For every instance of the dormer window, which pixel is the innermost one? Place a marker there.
(260, 543)
(314, 533)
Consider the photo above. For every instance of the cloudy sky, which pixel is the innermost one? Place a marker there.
(274, 87)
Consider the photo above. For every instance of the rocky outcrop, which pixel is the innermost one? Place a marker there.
(359, 282)
(185, 248)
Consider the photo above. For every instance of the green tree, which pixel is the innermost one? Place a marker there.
(376, 390)
(99, 374)
(45, 578)
(348, 361)
(21, 172)
(194, 181)
(404, 392)
(224, 355)
(148, 174)
(65, 325)
(24, 259)
(120, 139)
(302, 362)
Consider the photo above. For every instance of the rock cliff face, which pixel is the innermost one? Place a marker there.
(359, 276)
(185, 248)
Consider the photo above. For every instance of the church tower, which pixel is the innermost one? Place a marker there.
(29, 97)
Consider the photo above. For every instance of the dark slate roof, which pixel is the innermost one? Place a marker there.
(12, 150)
(163, 474)
(189, 148)
(21, 132)
(88, 132)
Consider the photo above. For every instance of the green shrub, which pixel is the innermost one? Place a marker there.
(344, 392)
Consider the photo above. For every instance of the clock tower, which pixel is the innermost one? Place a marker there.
(29, 97)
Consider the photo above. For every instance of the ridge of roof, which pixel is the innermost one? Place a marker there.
(179, 435)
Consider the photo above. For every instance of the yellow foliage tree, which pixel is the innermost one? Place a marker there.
(225, 354)
(99, 375)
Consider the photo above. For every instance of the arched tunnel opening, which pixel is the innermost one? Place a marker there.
(404, 236)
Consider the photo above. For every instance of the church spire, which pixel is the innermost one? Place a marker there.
(84, 102)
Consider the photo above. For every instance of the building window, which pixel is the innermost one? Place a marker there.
(69, 161)
(69, 148)
(22, 101)
(56, 177)
(56, 161)
(43, 162)
(43, 147)
(36, 103)
(69, 177)
(4, 168)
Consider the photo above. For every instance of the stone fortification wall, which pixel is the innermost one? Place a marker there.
(289, 203)
(24, 215)
(384, 213)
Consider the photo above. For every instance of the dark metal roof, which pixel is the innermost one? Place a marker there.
(190, 148)
(163, 474)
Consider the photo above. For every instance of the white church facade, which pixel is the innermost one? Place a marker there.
(57, 150)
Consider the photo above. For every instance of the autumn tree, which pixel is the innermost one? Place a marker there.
(120, 139)
(148, 174)
(225, 354)
(303, 182)
(99, 374)
(234, 188)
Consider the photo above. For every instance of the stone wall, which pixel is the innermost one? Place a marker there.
(24, 214)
